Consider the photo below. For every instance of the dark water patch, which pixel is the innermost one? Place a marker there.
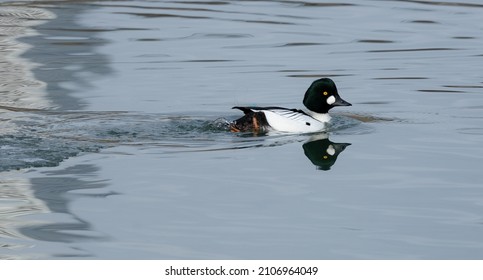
(292, 71)
(275, 22)
(167, 15)
(424, 21)
(189, 61)
(463, 37)
(401, 78)
(198, 36)
(318, 75)
(251, 46)
(478, 107)
(92, 30)
(78, 43)
(463, 86)
(220, 35)
(58, 232)
(471, 131)
(207, 60)
(193, 9)
(161, 15)
(414, 50)
(153, 8)
(19, 109)
(440, 91)
(148, 40)
(374, 103)
(299, 44)
(440, 3)
(213, 3)
(317, 4)
(293, 17)
(374, 41)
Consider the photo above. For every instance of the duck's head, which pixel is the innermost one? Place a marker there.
(322, 96)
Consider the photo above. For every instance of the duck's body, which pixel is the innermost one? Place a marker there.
(279, 119)
(320, 97)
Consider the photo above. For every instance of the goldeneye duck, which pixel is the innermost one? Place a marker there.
(319, 98)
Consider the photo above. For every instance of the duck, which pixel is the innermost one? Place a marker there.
(320, 97)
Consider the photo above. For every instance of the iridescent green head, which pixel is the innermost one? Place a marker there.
(322, 96)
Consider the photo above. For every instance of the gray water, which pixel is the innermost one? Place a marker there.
(114, 142)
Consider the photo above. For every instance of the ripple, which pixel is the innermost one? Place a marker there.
(440, 91)
(161, 15)
(463, 86)
(298, 44)
(17, 84)
(414, 50)
(401, 78)
(374, 41)
(221, 35)
(471, 131)
(424, 21)
(91, 30)
(24, 13)
(318, 75)
(463, 37)
(375, 102)
(440, 3)
(276, 22)
(201, 2)
(316, 4)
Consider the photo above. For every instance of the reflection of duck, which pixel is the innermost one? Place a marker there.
(322, 152)
(319, 98)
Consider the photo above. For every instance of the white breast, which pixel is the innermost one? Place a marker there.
(291, 121)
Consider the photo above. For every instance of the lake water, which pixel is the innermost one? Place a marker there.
(114, 144)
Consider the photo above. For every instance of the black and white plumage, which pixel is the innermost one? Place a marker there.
(277, 118)
(319, 98)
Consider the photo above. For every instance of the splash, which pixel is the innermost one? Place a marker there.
(44, 139)
(38, 138)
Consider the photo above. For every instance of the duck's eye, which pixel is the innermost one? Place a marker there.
(325, 93)
(326, 157)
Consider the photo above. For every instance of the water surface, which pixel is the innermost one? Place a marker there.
(114, 143)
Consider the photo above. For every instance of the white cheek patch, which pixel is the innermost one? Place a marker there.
(330, 150)
(331, 100)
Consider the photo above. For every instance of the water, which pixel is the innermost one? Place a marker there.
(114, 142)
